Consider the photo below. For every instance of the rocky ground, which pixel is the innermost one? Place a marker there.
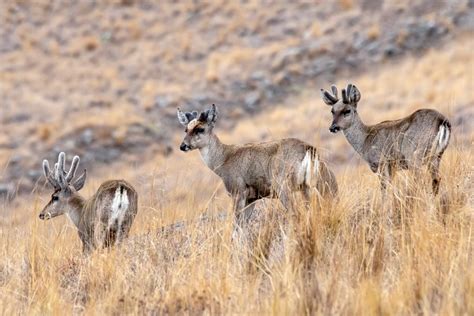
(103, 79)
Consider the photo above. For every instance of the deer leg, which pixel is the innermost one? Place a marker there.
(87, 248)
(87, 245)
(385, 175)
(110, 237)
(285, 197)
(240, 202)
(307, 195)
(124, 231)
(240, 214)
(434, 171)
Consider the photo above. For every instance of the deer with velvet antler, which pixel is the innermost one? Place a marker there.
(102, 220)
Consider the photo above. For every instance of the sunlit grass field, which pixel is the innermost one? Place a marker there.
(409, 254)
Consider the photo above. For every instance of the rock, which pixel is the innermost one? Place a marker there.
(286, 57)
(162, 101)
(35, 173)
(100, 104)
(371, 5)
(18, 118)
(372, 48)
(9, 145)
(391, 51)
(87, 137)
(7, 190)
(252, 99)
(419, 34)
(258, 76)
(321, 65)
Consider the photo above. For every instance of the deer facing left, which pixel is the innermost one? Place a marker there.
(101, 221)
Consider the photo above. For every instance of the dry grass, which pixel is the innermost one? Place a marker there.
(342, 258)
(349, 257)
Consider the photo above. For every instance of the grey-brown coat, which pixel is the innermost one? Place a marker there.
(254, 171)
(408, 143)
(102, 220)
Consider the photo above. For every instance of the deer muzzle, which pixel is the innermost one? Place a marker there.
(184, 147)
(334, 128)
(45, 216)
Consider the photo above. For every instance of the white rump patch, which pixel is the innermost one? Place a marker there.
(120, 205)
(442, 138)
(309, 168)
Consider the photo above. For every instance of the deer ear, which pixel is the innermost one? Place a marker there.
(334, 90)
(182, 117)
(79, 183)
(209, 116)
(212, 115)
(354, 95)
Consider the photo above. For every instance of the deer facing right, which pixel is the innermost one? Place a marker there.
(408, 143)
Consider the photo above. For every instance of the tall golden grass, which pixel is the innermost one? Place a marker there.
(340, 257)
(409, 254)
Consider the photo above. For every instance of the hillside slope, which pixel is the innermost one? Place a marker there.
(103, 79)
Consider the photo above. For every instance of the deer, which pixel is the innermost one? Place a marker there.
(417, 140)
(250, 172)
(104, 219)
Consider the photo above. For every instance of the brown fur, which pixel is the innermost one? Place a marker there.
(409, 143)
(91, 216)
(95, 211)
(254, 171)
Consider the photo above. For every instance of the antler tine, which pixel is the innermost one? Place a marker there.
(46, 170)
(61, 161)
(49, 175)
(56, 171)
(60, 173)
(72, 171)
(56, 175)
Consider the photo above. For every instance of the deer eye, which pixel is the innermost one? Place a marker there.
(346, 112)
(55, 198)
(199, 130)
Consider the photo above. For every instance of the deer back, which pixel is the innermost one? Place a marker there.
(409, 140)
(262, 165)
(112, 196)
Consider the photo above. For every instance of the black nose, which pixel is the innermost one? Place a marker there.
(184, 147)
(41, 216)
(334, 128)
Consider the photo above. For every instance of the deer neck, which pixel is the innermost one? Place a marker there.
(214, 153)
(76, 211)
(356, 134)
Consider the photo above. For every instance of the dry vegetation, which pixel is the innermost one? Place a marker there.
(350, 257)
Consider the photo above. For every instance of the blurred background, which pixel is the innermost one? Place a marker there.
(102, 79)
